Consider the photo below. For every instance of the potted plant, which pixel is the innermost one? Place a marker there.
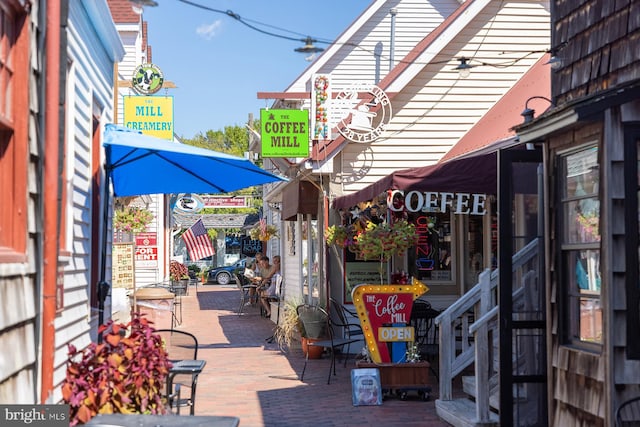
(339, 235)
(289, 328)
(124, 374)
(178, 271)
(314, 328)
(263, 231)
(132, 219)
(383, 240)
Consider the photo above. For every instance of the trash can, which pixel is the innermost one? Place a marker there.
(157, 306)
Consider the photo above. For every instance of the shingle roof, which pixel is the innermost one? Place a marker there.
(216, 220)
(122, 12)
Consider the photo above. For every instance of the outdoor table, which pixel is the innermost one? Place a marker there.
(186, 367)
(139, 420)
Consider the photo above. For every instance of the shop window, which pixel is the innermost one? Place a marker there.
(632, 238)
(432, 258)
(14, 112)
(580, 246)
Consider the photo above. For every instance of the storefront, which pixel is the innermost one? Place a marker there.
(452, 207)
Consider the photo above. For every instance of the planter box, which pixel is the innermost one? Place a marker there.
(401, 375)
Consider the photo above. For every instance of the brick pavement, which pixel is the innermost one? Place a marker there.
(251, 379)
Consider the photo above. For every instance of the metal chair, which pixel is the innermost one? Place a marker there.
(330, 342)
(245, 292)
(181, 346)
(628, 413)
(426, 332)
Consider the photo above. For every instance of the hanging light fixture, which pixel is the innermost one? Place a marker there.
(141, 3)
(464, 68)
(309, 47)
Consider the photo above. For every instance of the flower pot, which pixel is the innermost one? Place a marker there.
(315, 352)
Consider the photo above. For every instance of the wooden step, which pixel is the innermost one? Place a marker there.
(462, 413)
(469, 387)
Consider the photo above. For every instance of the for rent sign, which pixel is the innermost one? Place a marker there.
(285, 133)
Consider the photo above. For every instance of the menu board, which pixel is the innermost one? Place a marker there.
(123, 271)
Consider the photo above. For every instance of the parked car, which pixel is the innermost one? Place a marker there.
(224, 275)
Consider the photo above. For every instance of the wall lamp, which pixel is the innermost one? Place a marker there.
(464, 68)
(528, 113)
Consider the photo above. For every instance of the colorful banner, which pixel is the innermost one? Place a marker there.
(321, 107)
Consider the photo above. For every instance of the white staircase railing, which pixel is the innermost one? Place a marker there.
(468, 330)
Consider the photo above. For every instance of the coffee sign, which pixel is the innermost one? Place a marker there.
(285, 133)
(384, 312)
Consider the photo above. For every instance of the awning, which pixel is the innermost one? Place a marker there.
(140, 164)
(475, 174)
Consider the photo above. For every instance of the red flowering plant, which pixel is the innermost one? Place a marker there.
(178, 271)
(124, 374)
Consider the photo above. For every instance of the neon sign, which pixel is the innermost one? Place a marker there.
(384, 312)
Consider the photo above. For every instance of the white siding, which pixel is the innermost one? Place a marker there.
(436, 108)
(91, 93)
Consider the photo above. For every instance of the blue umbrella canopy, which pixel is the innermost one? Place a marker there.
(140, 164)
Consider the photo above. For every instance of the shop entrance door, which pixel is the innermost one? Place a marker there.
(523, 389)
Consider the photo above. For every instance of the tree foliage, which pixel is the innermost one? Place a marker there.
(232, 140)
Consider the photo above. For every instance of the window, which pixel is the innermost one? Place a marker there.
(632, 237)
(580, 245)
(14, 114)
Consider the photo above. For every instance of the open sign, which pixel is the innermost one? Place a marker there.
(395, 334)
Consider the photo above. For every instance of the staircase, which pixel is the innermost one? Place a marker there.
(468, 332)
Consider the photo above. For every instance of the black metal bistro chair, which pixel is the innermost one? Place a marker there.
(331, 341)
(426, 332)
(182, 380)
(628, 413)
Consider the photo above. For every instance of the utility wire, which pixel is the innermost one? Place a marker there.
(254, 25)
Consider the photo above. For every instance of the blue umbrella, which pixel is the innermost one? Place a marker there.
(140, 164)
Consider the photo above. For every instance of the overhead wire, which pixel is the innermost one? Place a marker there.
(255, 26)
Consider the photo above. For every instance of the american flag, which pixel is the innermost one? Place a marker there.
(198, 241)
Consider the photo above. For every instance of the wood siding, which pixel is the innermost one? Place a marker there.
(19, 291)
(91, 95)
(597, 42)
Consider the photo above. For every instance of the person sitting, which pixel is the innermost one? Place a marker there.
(254, 278)
(267, 287)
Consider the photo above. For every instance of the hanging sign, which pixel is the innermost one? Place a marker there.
(147, 79)
(366, 112)
(321, 107)
(152, 115)
(384, 312)
(285, 133)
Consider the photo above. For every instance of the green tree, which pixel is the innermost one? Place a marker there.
(232, 140)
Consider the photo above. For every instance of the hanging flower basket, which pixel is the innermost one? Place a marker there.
(339, 235)
(382, 241)
(132, 219)
(263, 231)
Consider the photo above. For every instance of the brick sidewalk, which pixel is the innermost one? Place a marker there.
(251, 379)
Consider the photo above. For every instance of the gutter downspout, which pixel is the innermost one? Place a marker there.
(50, 194)
(392, 42)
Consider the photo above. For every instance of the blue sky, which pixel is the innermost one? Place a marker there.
(219, 64)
